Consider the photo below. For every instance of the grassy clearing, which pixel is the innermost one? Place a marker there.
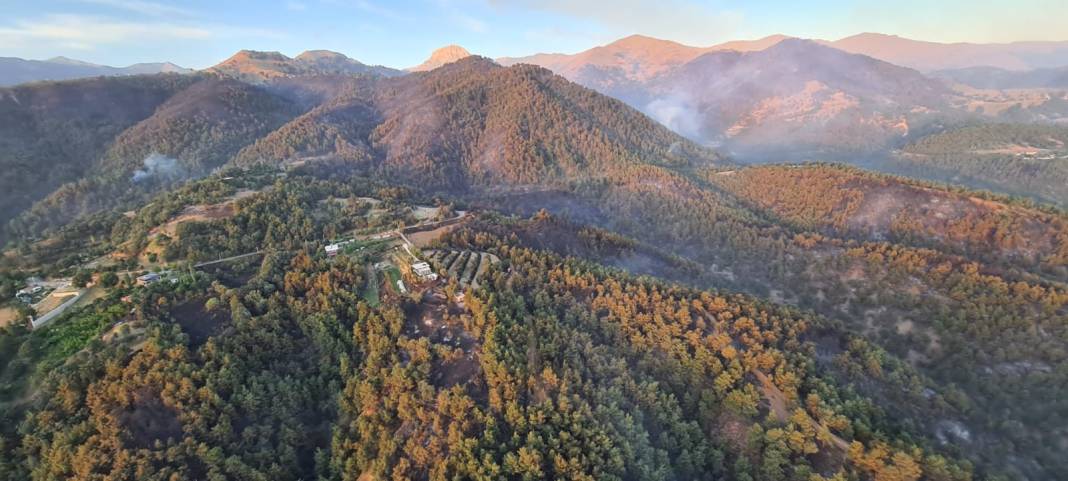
(393, 274)
(370, 292)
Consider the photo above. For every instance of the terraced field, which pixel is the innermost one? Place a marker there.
(466, 266)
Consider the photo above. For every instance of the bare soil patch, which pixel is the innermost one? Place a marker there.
(204, 212)
(424, 238)
(455, 371)
(775, 397)
(8, 315)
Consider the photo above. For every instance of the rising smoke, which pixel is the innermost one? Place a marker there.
(159, 168)
(676, 112)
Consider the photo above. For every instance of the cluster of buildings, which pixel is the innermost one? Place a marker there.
(335, 248)
(26, 294)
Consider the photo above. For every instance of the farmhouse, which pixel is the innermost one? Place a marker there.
(423, 270)
(332, 249)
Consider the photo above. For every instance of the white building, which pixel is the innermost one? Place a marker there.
(332, 249)
(150, 278)
(423, 270)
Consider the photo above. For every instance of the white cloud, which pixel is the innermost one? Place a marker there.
(143, 7)
(687, 21)
(96, 30)
(296, 6)
(87, 32)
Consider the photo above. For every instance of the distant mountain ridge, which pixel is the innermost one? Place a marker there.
(645, 56)
(258, 67)
(636, 57)
(14, 71)
(1000, 79)
(931, 56)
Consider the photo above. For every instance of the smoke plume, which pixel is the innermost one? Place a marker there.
(160, 168)
(677, 114)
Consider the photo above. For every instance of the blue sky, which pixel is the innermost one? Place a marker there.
(401, 33)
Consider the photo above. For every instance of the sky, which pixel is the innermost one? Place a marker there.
(401, 33)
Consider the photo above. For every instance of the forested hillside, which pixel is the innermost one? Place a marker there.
(1023, 160)
(468, 123)
(948, 341)
(554, 368)
(793, 322)
(472, 122)
(53, 132)
(195, 131)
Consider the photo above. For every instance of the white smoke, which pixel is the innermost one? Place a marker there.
(160, 168)
(676, 113)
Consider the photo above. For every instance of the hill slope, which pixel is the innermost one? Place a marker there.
(53, 133)
(795, 95)
(470, 123)
(198, 125)
(475, 123)
(779, 95)
(1029, 161)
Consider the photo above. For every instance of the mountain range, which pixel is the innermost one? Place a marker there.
(518, 124)
(15, 71)
(786, 98)
(932, 56)
(776, 98)
(798, 321)
(793, 95)
(644, 56)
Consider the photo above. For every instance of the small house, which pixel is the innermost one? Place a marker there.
(147, 279)
(332, 249)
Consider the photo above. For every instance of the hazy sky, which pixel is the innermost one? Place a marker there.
(401, 33)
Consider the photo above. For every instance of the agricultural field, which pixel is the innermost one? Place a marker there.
(467, 267)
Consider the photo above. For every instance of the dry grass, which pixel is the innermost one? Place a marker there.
(423, 239)
(8, 315)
